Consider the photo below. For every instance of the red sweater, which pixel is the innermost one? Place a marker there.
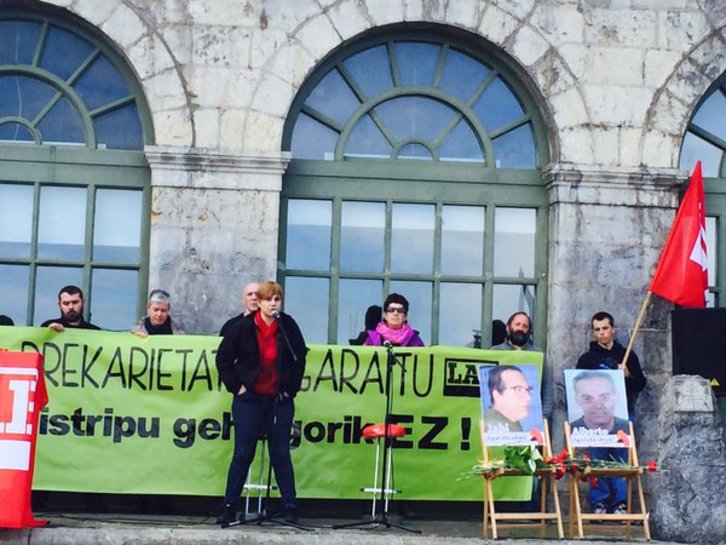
(266, 381)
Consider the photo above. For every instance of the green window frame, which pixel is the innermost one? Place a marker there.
(424, 179)
(71, 142)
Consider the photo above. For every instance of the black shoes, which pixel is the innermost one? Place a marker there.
(290, 515)
(228, 515)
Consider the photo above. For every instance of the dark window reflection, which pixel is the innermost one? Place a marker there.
(515, 149)
(412, 238)
(62, 124)
(14, 291)
(308, 234)
(711, 115)
(695, 149)
(333, 98)
(15, 132)
(62, 224)
(117, 226)
(16, 221)
(462, 240)
(23, 97)
(462, 75)
(306, 300)
(354, 298)
(417, 62)
(414, 151)
(459, 313)
(114, 299)
(63, 52)
(17, 41)
(362, 232)
(313, 140)
(119, 129)
(461, 144)
(367, 140)
(371, 70)
(100, 84)
(497, 106)
(414, 116)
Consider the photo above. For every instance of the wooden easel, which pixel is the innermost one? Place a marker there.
(632, 473)
(548, 483)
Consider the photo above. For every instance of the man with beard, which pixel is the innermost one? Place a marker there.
(157, 320)
(249, 305)
(518, 338)
(70, 303)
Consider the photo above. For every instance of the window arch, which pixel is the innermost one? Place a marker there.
(73, 179)
(416, 157)
(705, 140)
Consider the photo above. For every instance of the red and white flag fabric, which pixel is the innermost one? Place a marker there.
(682, 273)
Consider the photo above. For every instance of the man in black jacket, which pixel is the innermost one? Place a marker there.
(263, 370)
(70, 303)
(609, 495)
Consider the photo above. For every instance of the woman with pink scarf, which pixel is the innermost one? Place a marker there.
(394, 328)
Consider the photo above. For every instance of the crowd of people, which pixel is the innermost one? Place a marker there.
(261, 362)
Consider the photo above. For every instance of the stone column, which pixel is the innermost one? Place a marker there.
(214, 226)
(687, 493)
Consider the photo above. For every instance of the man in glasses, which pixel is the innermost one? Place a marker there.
(511, 398)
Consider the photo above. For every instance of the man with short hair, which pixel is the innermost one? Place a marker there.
(518, 337)
(511, 397)
(70, 303)
(609, 495)
(249, 305)
(595, 394)
(157, 320)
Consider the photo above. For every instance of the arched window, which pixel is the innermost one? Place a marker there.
(415, 169)
(74, 185)
(705, 140)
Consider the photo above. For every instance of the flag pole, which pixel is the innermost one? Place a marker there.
(639, 321)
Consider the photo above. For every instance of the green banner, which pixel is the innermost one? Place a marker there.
(132, 415)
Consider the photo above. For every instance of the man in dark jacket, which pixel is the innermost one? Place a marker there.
(70, 303)
(261, 362)
(609, 495)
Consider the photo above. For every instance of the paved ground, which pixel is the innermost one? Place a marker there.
(113, 529)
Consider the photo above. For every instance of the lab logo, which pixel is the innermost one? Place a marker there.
(461, 376)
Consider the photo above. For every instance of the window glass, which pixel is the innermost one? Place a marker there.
(711, 115)
(14, 290)
(515, 149)
(17, 42)
(48, 282)
(462, 240)
(119, 129)
(362, 230)
(354, 298)
(459, 313)
(117, 226)
(712, 247)
(333, 98)
(313, 140)
(100, 84)
(412, 238)
(114, 298)
(75, 51)
(371, 70)
(514, 236)
(462, 75)
(510, 298)
(15, 132)
(461, 144)
(16, 220)
(306, 300)
(414, 151)
(416, 62)
(62, 223)
(696, 149)
(419, 295)
(308, 234)
(23, 97)
(367, 140)
(507, 107)
(414, 116)
(62, 125)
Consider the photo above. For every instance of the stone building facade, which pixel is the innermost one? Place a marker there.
(615, 84)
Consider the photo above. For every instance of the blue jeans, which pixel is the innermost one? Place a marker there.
(253, 414)
(609, 490)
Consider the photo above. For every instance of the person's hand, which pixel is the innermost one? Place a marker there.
(140, 334)
(625, 369)
(242, 390)
(57, 327)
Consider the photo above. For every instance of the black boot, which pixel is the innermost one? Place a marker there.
(228, 515)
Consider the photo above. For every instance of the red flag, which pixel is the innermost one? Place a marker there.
(682, 273)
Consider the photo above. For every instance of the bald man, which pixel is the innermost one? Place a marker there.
(249, 305)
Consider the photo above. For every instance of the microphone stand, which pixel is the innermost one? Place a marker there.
(383, 519)
(263, 516)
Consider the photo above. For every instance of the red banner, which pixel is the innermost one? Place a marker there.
(22, 396)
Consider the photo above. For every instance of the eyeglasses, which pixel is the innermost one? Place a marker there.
(396, 310)
(520, 390)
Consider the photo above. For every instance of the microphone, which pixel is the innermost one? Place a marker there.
(387, 344)
(276, 314)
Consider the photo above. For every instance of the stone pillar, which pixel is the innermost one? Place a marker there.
(687, 493)
(214, 226)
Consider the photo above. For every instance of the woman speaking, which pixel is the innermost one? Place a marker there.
(261, 361)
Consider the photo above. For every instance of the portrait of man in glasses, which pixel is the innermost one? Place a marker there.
(510, 403)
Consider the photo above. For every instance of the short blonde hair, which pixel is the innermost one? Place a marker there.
(268, 290)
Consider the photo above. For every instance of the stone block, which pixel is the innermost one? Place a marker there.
(273, 96)
(231, 128)
(528, 46)
(660, 5)
(168, 11)
(172, 127)
(691, 396)
(669, 115)
(319, 36)
(124, 26)
(265, 46)
(560, 24)
(206, 127)
(630, 149)
(177, 41)
(659, 65)
(382, 12)
(517, 8)
(94, 12)
(605, 146)
(708, 56)
(681, 30)
(220, 45)
(225, 12)
(576, 145)
(149, 56)
(347, 19)
(568, 109)
(263, 131)
(660, 150)
(463, 14)
(688, 84)
(552, 75)
(610, 27)
(291, 63)
(497, 25)
(615, 105)
(280, 16)
(621, 66)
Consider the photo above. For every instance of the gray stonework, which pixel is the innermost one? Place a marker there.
(687, 493)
